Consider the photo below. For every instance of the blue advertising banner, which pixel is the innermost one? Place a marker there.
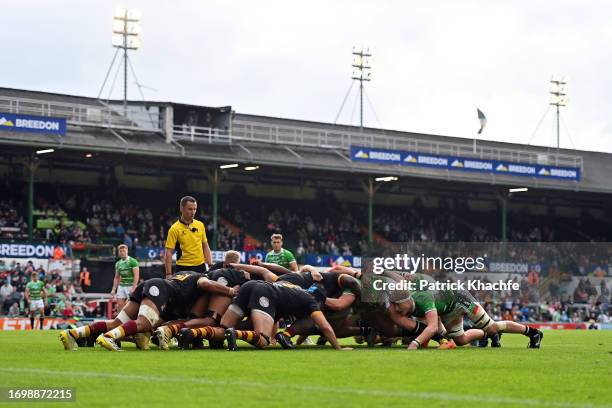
(150, 253)
(32, 124)
(43, 251)
(403, 158)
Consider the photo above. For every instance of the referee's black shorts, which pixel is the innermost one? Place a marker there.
(199, 268)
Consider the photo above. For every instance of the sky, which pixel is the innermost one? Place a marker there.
(434, 62)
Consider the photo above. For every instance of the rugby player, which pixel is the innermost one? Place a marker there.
(129, 312)
(36, 296)
(234, 276)
(163, 299)
(279, 255)
(214, 303)
(450, 306)
(343, 291)
(127, 275)
(264, 303)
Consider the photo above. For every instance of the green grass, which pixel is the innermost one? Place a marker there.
(573, 369)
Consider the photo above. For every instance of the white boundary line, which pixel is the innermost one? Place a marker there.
(436, 396)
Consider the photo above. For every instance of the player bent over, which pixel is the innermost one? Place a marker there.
(264, 303)
(159, 296)
(450, 306)
(343, 291)
(214, 306)
(129, 312)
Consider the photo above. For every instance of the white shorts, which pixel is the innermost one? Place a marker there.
(36, 304)
(123, 292)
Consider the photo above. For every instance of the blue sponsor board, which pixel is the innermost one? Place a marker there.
(35, 250)
(453, 163)
(32, 124)
(150, 253)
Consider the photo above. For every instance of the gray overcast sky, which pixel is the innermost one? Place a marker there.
(434, 62)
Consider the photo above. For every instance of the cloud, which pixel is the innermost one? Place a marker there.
(434, 62)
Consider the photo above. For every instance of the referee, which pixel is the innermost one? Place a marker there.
(188, 237)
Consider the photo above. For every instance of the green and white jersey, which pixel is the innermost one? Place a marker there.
(125, 269)
(443, 301)
(35, 289)
(282, 258)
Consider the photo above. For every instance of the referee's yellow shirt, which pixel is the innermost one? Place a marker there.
(187, 240)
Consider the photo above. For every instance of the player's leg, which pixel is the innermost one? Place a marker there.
(454, 330)
(41, 316)
(197, 319)
(481, 320)
(231, 318)
(506, 326)
(123, 294)
(155, 296)
(262, 306)
(69, 337)
(148, 316)
(217, 306)
(32, 314)
(263, 326)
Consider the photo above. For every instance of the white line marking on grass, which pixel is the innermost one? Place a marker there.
(437, 396)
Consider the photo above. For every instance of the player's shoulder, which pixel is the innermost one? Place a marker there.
(198, 223)
(175, 225)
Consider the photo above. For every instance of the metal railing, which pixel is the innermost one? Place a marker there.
(201, 134)
(259, 132)
(97, 114)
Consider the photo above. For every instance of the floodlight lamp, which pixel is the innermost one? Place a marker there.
(118, 27)
(117, 40)
(120, 13)
(133, 28)
(133, 43)
(134, 15)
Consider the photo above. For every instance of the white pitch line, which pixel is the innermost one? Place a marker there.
(313, 388)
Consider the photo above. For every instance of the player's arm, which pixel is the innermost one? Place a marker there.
(342, 303)
(325, 328)
(212, 286)
(27, 294)
(256, 270)
(431, 319)
(316, 275)
(115, 283)
(168, 262)
(344, 269)
(43, 291)
(170, 245)
(293, 266)
(277, 269)
(207, 254)
(136, 271)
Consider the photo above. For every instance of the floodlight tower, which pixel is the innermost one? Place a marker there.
(558, 97)
(126, 31)
(361, 73)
